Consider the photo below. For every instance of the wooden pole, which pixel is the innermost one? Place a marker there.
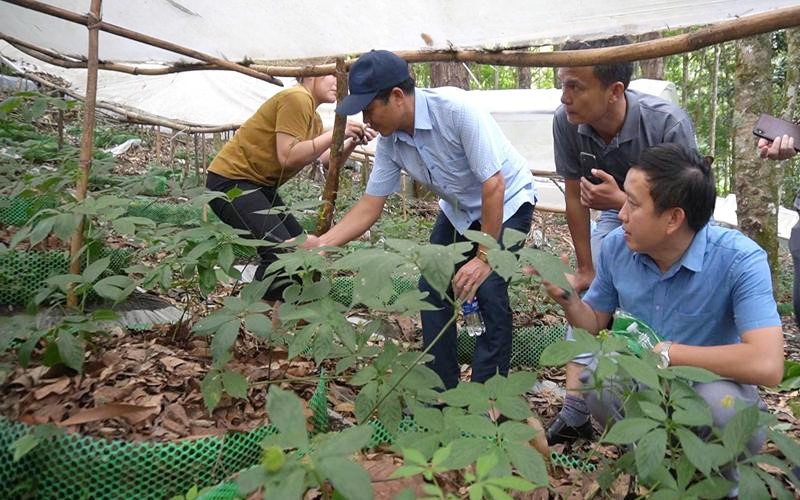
(87, 141)
(196, 141)
(157, 141)
(171, 164)
(205, 159)
(337, 158)
(134, 116)
(139, 37)
(57, 59)
(712, 34)
(60, 125)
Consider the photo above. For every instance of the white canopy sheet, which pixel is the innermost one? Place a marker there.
(294, 29)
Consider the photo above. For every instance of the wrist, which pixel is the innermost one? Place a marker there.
(663, 351)
(482, 255)
(620, 199)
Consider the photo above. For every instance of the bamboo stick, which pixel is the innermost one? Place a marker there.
(157, 140)
(337, 158)
(57, 59)
(60, 125)
(196, 141)
(205, 158)
(87, 141)
(139, 37)
(134, 116)
(712, 34)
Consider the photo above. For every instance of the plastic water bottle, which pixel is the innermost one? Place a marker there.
(471, 314)
(639, 336)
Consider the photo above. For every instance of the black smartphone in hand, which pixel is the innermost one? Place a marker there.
(588, 162)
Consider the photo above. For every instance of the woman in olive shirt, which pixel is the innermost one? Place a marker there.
(271, 147)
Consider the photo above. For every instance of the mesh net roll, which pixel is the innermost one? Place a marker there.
(75, 466)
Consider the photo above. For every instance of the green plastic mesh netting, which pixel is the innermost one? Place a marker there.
(17, 210)
(342, 287)
(75, 466)
(22, 274)
(180, 214)
(528, 342)
(228, 490)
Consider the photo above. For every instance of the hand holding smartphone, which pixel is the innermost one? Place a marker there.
(588, 162)
(770, 127)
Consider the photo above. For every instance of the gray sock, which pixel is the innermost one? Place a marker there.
(574, 412)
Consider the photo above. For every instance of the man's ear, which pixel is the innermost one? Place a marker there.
(398, 95)
(677, 217)
(617, 91)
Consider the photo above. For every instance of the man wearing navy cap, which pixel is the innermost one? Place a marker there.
(458, 151)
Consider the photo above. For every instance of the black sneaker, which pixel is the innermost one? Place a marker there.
(560, 432)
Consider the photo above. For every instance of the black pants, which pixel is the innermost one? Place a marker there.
(242, 213)
(794, 248)
(492, 349)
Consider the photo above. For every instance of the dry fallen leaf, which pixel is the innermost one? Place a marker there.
(58, 387)
(104, 412)
(170, 362)
(345, 407)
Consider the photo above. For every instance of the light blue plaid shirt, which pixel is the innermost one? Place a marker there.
(456, 147)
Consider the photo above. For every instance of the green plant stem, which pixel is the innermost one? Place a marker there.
(408, 370)
(281, 380)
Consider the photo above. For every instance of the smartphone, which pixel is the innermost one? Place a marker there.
(588, 162)
(770, 127)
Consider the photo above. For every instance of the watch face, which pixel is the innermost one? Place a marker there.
(664, 361)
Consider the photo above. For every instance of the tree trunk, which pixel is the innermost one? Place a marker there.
(651, 68)
(791, 108)
(712, 134)
(756, 184)
(450, 74)
(453, 74)
(685, 86)
(524, 79)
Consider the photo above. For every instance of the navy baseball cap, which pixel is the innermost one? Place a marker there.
(372, 72)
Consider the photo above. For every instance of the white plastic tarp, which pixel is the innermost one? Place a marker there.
(293, 29)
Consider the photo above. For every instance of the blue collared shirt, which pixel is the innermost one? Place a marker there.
(455, 148)
(719, 289)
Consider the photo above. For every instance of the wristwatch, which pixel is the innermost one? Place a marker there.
(663, 352)
(482, 255)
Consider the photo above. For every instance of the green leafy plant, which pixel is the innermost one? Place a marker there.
(663, 420)
(292, 462)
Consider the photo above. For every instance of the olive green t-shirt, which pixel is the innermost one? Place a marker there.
(252, 153)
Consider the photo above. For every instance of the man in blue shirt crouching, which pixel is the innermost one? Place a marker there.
(458, 151)
(705, 289)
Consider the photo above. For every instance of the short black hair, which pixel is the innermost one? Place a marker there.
(407, 86)
(679, 177)
(606, 73)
